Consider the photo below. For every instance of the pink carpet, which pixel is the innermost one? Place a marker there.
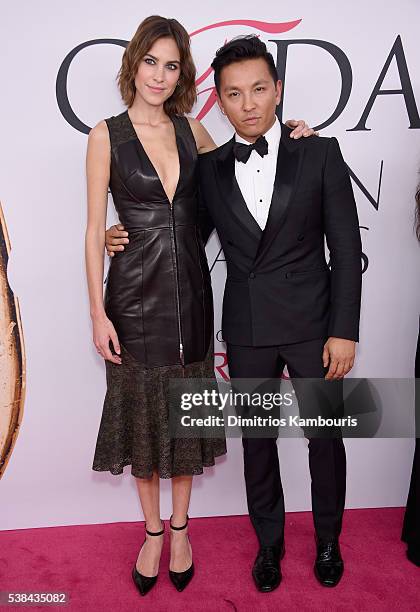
(93, 563)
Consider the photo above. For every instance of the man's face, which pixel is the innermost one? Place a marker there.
(249, 96)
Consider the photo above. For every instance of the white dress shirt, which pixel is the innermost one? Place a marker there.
(256, 177)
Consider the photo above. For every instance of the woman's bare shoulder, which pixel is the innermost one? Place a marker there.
(203, 139)
(196, 126)
(99, 134)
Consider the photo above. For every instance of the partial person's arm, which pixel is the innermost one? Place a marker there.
(206, 143)
(205, 220)
(97, 175)
(116, 236)
(342, 232)
(203, 140)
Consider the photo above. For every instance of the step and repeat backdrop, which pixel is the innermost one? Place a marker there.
(352, 71)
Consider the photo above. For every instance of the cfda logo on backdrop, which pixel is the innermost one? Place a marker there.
(275, 33)
(283, 36)
(207, 94)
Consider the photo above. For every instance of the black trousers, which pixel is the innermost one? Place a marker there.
(327, 458)
(411, 526)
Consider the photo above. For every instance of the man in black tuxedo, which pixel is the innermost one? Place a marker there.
(273, 200)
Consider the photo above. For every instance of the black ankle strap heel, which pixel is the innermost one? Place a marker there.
(145, 583)
(178, 528)
(156, 533)
(181, 579)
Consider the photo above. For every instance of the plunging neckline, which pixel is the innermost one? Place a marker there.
(151, 163)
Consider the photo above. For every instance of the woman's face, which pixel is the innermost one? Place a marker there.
(158, 72)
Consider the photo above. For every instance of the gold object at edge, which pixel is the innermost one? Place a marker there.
(12, 357)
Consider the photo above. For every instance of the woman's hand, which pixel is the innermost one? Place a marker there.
(300, 128)
(103, 332)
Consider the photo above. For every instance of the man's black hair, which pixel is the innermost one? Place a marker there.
(240, 49)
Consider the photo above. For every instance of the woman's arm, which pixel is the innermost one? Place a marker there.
(206, 143)
(203, 140)
(97, 173)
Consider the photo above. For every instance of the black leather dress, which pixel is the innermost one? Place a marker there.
(158, 293)
(159, 299)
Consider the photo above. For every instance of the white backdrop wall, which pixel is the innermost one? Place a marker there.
(49, 480)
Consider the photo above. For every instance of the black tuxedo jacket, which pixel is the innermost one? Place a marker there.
(279, 288)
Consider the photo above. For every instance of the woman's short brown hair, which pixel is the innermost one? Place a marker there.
(149, 31)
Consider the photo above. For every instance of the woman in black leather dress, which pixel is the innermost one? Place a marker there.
(411, 527)
(158, 311)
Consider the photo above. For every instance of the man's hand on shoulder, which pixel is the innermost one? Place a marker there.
(339, 354)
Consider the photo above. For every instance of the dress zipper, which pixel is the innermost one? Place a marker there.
(181, 347)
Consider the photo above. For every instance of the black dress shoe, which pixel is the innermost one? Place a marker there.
(413, 553)
(266, 571)
(329, 566)
(181, 579)
(145, 583)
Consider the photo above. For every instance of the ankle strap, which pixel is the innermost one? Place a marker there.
(156, 533)
(178, 528)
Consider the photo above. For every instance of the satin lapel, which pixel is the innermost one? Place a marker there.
(232, 194)
(289, 165)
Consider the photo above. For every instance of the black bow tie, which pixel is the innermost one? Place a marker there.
(242, 151)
